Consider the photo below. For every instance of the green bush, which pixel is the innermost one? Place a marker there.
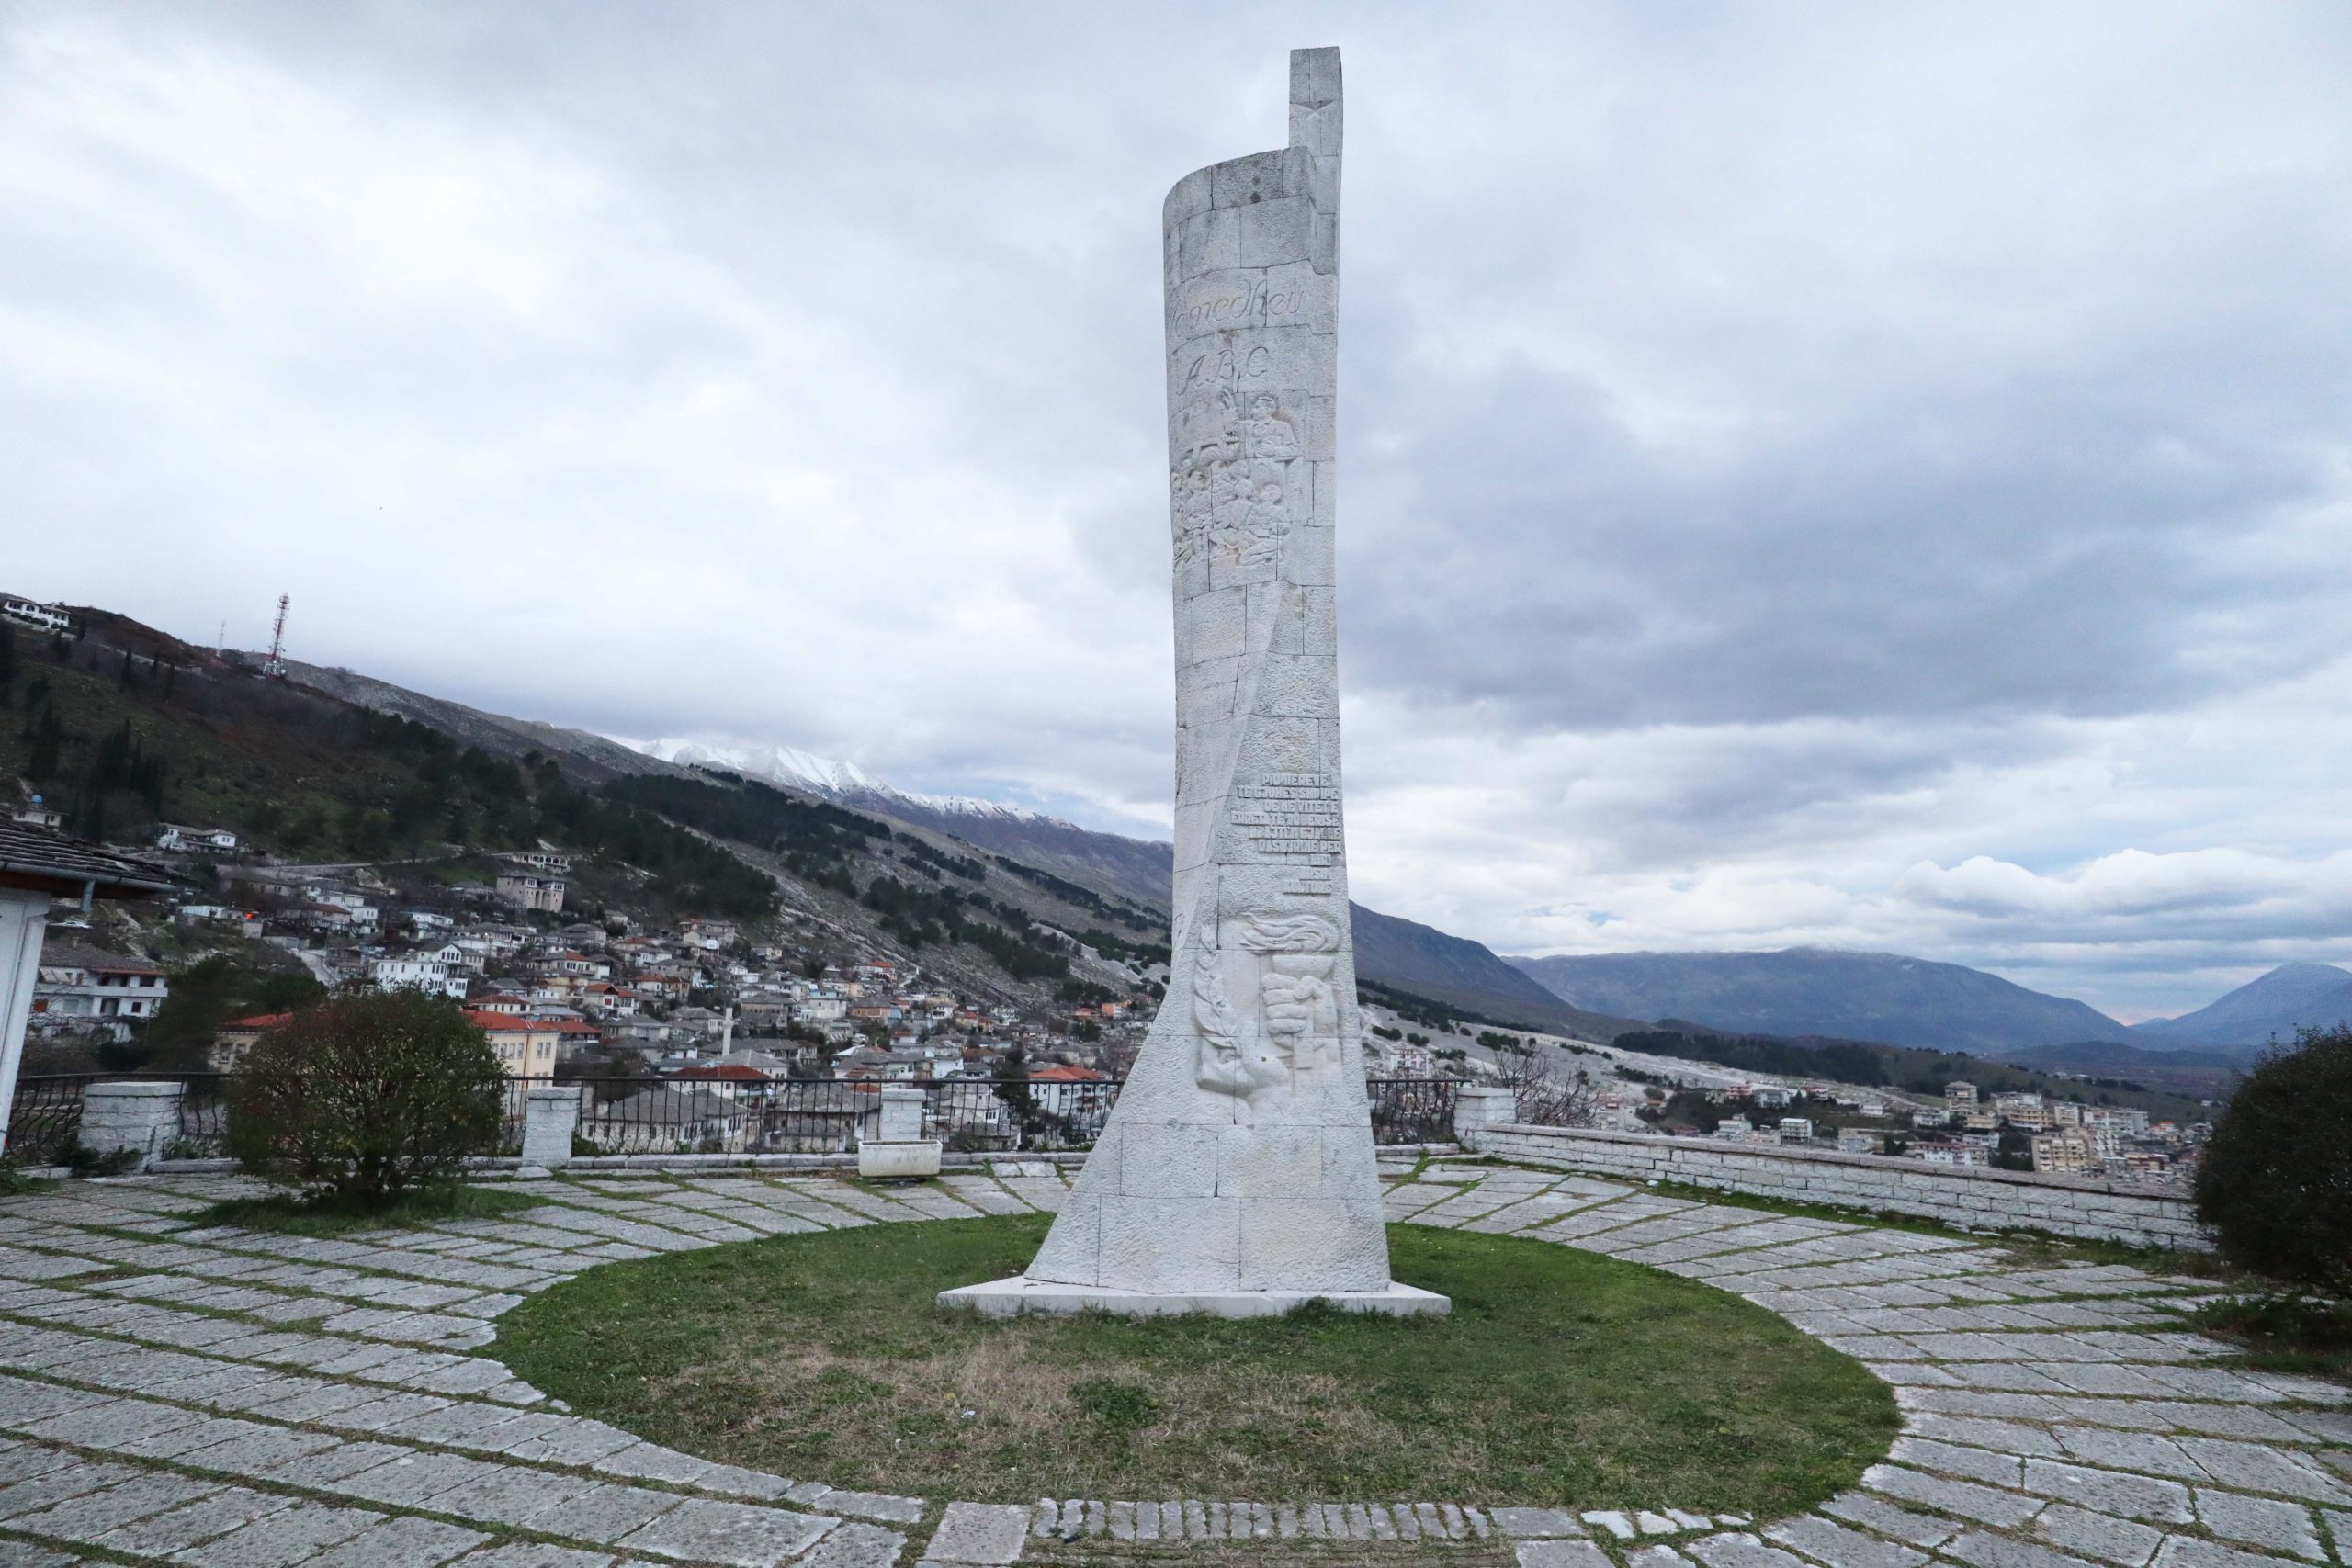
(365, 1096)
(2276, 1184)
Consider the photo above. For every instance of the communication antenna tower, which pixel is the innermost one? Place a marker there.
(276, 666)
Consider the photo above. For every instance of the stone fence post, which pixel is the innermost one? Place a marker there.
(898, 1148)
(551, 1117)
(901, 1115)
(1477, 1107)
(144, 1118)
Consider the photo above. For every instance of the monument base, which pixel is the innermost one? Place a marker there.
(1020, 1295)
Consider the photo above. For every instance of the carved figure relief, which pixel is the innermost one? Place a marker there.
(1269, 433)
(1295, 1026)
(1232, 491)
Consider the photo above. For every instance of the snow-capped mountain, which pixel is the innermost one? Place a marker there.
(828, 776)
(1134, 868)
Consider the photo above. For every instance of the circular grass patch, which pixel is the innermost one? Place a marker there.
(1562, 1378)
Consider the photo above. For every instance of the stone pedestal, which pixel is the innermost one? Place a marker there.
(1477, 1107)
(1023, 1296)
(144, 1118)
(899, 1151)
(551, 1117)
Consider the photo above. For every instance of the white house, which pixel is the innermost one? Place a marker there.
(441, 971)
(530, 891)
(101, 989)
(197, 841)
(50, 617)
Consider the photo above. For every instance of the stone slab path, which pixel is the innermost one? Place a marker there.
(227, 1399)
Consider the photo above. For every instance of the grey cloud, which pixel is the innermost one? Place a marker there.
(1778, 451)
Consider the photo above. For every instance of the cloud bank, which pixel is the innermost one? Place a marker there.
(1877, 478)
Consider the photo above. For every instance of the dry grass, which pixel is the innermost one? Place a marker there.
(1560, 1378)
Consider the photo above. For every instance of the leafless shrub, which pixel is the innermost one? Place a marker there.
(1549, 1094)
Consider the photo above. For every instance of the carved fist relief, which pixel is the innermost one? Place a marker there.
(1297, 1026)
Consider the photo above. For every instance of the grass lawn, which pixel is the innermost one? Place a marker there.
(1560, 1378)
(321, 1216)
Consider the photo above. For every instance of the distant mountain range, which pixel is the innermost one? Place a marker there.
(1824, 991)
(2318, 995)
(1880, 996)
(1400, 955)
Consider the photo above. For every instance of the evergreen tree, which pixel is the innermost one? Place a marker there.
(49, 735)
(8, 655)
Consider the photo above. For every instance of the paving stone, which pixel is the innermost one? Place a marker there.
(602, 1512)
(534, 1555)
(1984, 1503)
(880, 1506)
(2258, 1469)
(1841, 1546)
(224, 1510)
(1657, 1556)
(54, 1486)
(1611, 1522)
(85, 1518)
(514, 1495)
(1530, 1522)
(1738, 1551)
(22, 1461)
(1986, 1550)
(408, 1480)
(649, 1462)
(322, 1471)
(1950, 1459)
(403, 1542)
(2188, 1551)
(739, 1534)
(2100, 1535)
(855, 1546)
(2110, 1492)
(2265, 1522)
(279, 1539)
(980, 1532)
(1560, 1553)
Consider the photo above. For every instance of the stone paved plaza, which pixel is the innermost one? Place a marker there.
(230, 1399)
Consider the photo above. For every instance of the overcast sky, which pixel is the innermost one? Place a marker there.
(1875, 475)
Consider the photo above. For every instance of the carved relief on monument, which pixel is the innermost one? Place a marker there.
(1292, 1024)
(1237, 486)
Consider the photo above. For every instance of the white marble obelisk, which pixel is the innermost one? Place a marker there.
(1235, 1173)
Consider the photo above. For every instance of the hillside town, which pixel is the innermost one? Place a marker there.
(692, 1032)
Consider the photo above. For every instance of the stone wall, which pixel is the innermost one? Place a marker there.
(1978, 1198)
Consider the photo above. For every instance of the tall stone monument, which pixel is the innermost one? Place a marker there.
(1235, 1173)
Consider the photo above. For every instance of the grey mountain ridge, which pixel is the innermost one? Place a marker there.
(1880, 996)
(2272, 1006)
(1886, 997)
(1400, 955)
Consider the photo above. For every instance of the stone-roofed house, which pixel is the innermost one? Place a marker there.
(86, 987)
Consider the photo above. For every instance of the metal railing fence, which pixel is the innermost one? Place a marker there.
(688, 1115)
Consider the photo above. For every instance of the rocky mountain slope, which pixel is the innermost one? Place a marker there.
(590, 756)
(1823, 992)
(1129, 874)
(1137, 869)
(2314, 994)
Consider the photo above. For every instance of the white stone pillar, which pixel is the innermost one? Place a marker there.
(1477, 1107)
(141, 1117)
(551, 1117)
(23, 917)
